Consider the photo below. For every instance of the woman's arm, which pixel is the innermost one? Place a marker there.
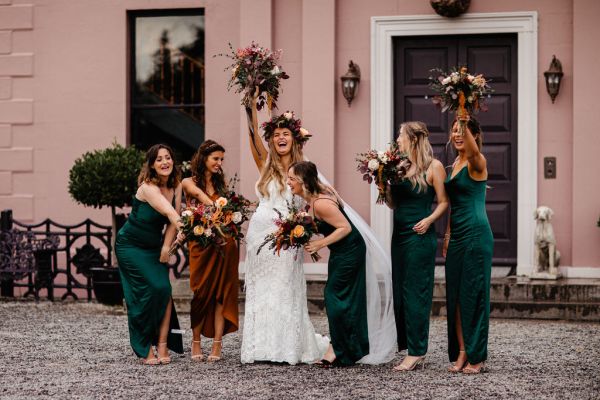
(446, 238)
(151, 194)
(329, 212)
(438, 175)
(476, 161)
(191, 190)
(259, 152)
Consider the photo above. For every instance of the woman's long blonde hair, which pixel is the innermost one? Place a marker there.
(420, 153)
(274, 170)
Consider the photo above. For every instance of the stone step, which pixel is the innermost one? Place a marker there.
(510, 297)
(523, 289)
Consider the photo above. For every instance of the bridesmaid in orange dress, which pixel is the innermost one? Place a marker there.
(213, 271)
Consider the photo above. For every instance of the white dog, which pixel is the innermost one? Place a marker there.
(546, 255)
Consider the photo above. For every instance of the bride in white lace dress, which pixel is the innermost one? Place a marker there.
(277, 327)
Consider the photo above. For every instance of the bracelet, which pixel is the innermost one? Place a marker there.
(447, 236)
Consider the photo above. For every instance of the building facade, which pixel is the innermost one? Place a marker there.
(77, 74)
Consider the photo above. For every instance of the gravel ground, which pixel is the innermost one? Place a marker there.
(81, 350)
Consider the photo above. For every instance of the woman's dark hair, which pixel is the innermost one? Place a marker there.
(309, 175)
(475, 128)
(149, 175)
(198, 167)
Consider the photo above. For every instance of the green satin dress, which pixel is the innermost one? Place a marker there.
(468, 266)
(413, 266)
(346, 294)
(145, 280)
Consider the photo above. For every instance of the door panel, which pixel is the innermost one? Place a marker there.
(495, 56)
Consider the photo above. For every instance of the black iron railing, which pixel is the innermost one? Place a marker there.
(51, 256)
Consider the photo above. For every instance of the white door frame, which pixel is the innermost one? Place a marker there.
(525, 24)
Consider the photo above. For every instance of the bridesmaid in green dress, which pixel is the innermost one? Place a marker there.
(414, 241)
(345, 291)
(468, 247)
(142, 255)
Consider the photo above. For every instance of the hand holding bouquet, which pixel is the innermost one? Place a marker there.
(383, 167)
(459, 91)
(294, 230)
(215, 224)
(253, 68)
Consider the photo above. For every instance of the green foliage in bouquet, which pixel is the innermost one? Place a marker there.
(106, 177)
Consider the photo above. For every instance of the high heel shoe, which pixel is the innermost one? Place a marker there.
(471, 370)
(151, 361)
(458, 368)
(418, 363)
(325, 363)
(164, 360)
(197, 357)
(212, 358)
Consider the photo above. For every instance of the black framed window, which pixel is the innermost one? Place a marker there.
(167, 79)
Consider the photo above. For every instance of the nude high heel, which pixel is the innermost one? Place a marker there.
(212, 358)
(418, 363)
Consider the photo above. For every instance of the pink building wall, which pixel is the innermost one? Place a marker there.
(64, 84)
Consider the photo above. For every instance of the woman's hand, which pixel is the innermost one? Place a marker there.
(422, 226)
(445, 244)
(314, 246)
(164, 255)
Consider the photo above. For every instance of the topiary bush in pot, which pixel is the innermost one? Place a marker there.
(106, 178)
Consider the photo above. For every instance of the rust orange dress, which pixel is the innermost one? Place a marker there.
(214, 280)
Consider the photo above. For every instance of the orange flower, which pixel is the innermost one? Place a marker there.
(298, 231)
(198, 230)
(227, 218)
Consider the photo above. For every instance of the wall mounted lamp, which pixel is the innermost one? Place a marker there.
(553, 77)
(350, 82)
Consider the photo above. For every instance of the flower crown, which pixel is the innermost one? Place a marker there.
(286, 120)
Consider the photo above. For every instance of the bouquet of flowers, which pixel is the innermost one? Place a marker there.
(256, 67)
(215, 224)
(293, 230)
(383, 167)
(459, 91)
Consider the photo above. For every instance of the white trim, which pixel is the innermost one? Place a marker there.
(579, 272)
(309, 268)
(525, 24)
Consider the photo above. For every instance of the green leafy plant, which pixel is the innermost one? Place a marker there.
(106, 178)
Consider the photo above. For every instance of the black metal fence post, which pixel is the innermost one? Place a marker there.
(7, 287)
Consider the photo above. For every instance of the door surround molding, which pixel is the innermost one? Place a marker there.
(525, 24)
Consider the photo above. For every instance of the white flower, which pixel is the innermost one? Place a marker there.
(186, 213)
(303, 214)
(382, 156)
(373, 165)
(304, 132)
(237, 217)
(221, 202)
(455, 78)
(288, 115)
(275, 70)
(446, 80)
(470, 99)
(207, 232)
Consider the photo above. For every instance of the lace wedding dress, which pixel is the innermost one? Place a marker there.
(276, 323)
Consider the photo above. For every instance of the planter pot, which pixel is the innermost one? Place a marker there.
(106, 283)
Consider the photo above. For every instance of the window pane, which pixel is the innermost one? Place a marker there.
(168, 79)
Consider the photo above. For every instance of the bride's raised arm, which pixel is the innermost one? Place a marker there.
(259, 152)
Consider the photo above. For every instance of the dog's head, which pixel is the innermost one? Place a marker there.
(543, 213)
